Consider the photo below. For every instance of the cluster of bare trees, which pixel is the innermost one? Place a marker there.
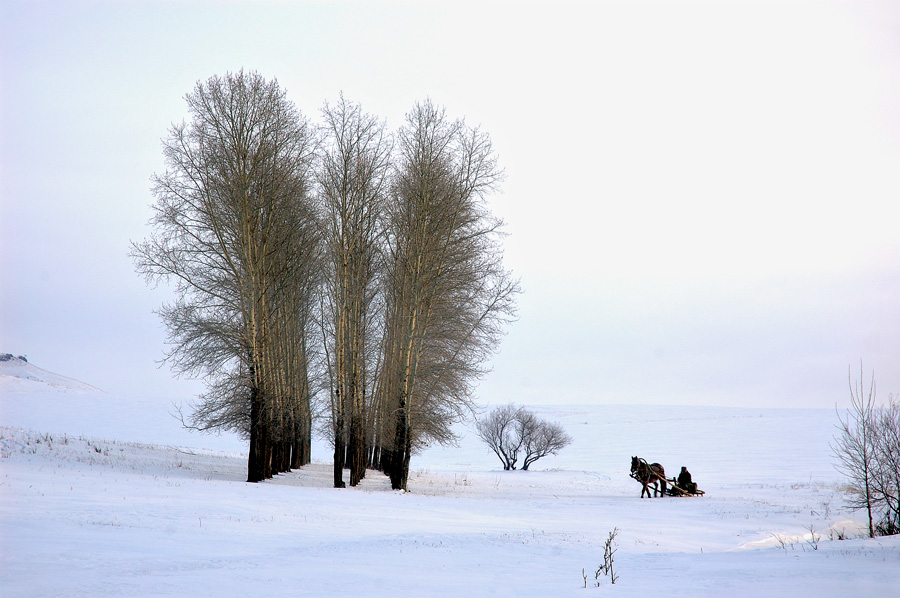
(354, 189)
(235, 232)
(513, 432)
(868, 451)
(335, 265)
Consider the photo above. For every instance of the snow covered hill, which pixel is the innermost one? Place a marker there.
(17, 375)
(108, 496)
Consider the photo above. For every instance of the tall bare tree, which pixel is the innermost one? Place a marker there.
(868, 452)
(446, 292)
(352, 184)
(234, 230)
(403, 260)
(886, 475)
(855, 446)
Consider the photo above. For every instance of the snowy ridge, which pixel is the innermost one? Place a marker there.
(17, 375)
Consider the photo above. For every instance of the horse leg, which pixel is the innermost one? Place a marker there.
(663, 482)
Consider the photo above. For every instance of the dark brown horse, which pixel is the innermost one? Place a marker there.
(648, 474)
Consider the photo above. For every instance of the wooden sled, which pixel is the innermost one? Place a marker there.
(675, 490)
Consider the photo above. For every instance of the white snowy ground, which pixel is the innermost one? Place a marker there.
(108, 496)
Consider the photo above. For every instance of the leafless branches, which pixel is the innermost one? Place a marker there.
(540, 438)
(295, 251)
(868, 452)
(886, 475)
(446, 293)
(512, 431)
(234, 231)
(606, 568)
(499, 431)
(352, 185)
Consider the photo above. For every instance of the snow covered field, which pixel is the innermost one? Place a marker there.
(108, 496)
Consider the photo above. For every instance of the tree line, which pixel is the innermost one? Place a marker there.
(335, 267)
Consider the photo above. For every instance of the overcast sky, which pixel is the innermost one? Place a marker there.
(702, 198)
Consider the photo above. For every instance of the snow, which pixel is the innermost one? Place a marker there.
(16, 374)
(106, 495)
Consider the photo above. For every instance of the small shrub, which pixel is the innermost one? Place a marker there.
(814, 538)
(606, 568)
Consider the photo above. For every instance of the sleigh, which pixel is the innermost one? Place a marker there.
(674, 489)
(654, 473)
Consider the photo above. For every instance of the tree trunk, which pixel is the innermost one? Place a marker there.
(339, 453)
(302, 440)
(356, 449)
(402, 450)
(266, 441)
(254, 459)
(276, 458)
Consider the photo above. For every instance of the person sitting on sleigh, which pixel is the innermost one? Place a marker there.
(684, 481)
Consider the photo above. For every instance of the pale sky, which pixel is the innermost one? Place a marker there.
(702, 198)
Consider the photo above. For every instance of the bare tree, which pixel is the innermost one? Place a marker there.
(886, 474)
(855, 446)
(352, 184)
(398, 264)
(292, 330)
(446, 293)
(233, 229)
(499, 431)
(540, 438)
(510, 431)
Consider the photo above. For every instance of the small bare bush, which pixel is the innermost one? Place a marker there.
(606, 568)
(813, 537)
